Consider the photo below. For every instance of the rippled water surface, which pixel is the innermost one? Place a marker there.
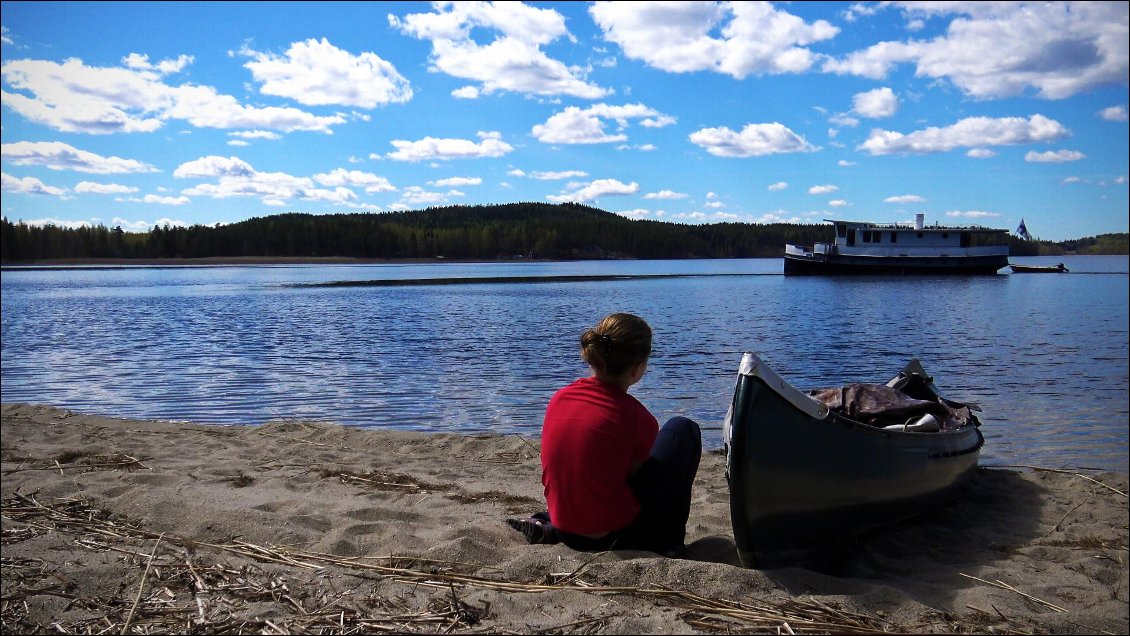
(1045, 355)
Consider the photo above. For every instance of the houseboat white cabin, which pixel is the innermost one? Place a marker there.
(874, 248)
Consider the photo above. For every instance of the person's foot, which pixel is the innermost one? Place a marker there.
(535, 530)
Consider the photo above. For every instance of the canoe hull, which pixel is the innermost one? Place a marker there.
(798, 481)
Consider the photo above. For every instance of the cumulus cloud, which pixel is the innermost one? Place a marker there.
(341, 177)
(432, 148)
(317, 73)
(1005, 49)
(548, 175)
(973, 132)
(455, 182)
(156, 199)
(237, 178)
(665, 194)
(905, 198)
(584, 192)
(28, 185)
(880, 102)
(511, 59)
(823, 189)
(57, 155)
(214, 166)
(1054, 156)
(586, 126)
(735, 39)
(89, 187)
(74, 97)
(777, 187)
(980, 153)
(1114, 113)
(754, 140)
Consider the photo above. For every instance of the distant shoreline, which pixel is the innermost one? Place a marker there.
(221, 261)
(241, 260)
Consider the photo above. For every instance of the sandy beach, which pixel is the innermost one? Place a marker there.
(126, 526)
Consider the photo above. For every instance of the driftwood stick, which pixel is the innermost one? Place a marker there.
(1005, 586)
(141, 588)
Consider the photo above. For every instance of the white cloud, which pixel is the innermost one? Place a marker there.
(582, 192)
(155, 199)
(754, 140)
(317, 73)
(1056, 156)
(510, 60)
(431, 148)
(665, 194)
(454, 182)
(57, 155)
(971, 132)
(980, 153)
(89, 187)
(74, 97)
(875, 104)
(214, 166)
(28, 185)
(823, 189)
(679, 37)
(586, 126)
(1114, 113)
(255, 134)
(1004, 49)
(138, 61)
(777, 187)
(838, 203)
(905, 198)
(844, 163)
(556, 175)
(341, 177)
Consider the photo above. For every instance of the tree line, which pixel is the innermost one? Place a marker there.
(486, 232)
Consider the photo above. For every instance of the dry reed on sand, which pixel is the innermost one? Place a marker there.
(172, 584)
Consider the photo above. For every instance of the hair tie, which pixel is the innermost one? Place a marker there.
(604, 340)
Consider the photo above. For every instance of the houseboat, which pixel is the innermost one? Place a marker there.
(874, 248)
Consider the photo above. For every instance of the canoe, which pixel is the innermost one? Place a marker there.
(808, 469)
(1038, 269)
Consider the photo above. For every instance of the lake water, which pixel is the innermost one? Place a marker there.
(1045, 355)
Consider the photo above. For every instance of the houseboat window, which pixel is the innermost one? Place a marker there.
(920, 235)
(866, 237)
(894, 237)
(841, 230)
(945, 234)
(966, 239)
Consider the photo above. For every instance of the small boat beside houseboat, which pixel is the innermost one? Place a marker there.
(809, 469)
(1038, 269)
(873, 248)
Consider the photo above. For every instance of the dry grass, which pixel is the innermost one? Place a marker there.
(173, 584)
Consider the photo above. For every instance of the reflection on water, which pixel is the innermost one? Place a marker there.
(1045, 355)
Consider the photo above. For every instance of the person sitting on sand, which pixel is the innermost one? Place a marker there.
(613, 479)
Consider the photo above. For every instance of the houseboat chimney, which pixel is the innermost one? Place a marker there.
(918, 220)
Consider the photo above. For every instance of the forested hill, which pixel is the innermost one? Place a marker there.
(516, 230)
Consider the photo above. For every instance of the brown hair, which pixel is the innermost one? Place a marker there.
(616, 344)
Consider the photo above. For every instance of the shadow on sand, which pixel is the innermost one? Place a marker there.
(996, 512)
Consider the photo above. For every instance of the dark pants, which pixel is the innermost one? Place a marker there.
(663, 486)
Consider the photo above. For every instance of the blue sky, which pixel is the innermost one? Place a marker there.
(977, 113)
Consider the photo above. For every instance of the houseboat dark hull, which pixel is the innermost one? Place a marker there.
(803, 476)
(835, 264)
